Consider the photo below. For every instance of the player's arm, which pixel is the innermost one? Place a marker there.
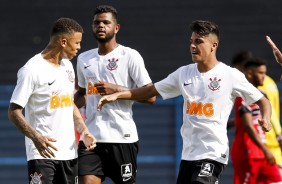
(79, 97)
(133, 94)
(265, 109)
(42, 143)
(105, 88)
(230, 123)
(251, 131)
(276, 51)
(80, 127)
(148, 100)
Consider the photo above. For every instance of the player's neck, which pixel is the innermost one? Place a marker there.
(105, 48)
(53, 57)
(205, 67)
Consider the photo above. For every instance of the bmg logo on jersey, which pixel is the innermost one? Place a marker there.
(91, 89)
(61, 101)
(126, 172)
(199, 109)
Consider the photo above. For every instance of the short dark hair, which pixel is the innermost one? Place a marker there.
(66, 26)
(106, 9)
(204, 27)
(241, 57)
(254, 63)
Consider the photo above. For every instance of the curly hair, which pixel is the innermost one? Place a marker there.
(254, 63)
(66, 26)
(106, 9)
(203, 28)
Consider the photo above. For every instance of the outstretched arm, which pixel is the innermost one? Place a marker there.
(276, 51)
(142, 93)
(105, 88)
(265, 109)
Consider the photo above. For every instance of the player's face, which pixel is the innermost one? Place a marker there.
(259, 75)
(104, 27)
(72, 45)
(201, 47)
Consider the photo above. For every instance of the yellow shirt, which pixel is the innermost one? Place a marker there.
(272, 92)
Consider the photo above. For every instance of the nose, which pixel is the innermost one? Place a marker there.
(101, 24)
(78, 47)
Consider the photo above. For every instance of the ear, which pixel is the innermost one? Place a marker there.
(214, 46)
(117, 28)
(248, 74)
(63, 42)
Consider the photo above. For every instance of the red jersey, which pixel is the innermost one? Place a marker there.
(243, 146)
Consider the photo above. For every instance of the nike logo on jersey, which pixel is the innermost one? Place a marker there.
(186, 84)
(86, 66)
(50, 83)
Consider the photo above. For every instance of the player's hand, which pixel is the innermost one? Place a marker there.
(276, 51)
(88, 140)
(44, 144)
(105, 88)
(265, 124)
(106, 99)
(269, 156)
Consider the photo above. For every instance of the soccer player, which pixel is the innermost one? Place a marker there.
(109, 68)
(253, 162)
(274, 136)
(45, 87)
(269, 87)
(209, 88)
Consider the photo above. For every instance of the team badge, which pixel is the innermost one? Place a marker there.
(70, 75)
(126, 172)
(112, 65)
(206, 169)
(214, 84)
(35, 178)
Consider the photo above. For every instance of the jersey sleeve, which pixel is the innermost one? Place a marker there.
(244, 108)
(24, 87)
(79, 70)
(169, 87)
(138, 71)
(243, 88)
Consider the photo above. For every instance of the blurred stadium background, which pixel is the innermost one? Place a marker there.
(159, 30)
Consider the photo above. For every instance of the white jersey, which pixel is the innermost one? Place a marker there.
(208, 101)
(123, 66)
(46, 93)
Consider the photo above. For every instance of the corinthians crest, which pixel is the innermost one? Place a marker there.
(112, 65)
(214, 84)
(35, 178)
